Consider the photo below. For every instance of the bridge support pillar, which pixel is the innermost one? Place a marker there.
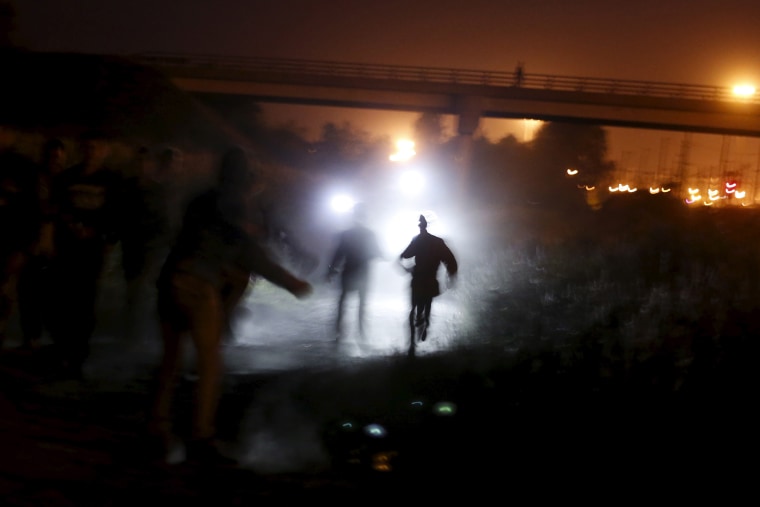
(470, 109)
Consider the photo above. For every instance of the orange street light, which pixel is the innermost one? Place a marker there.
(744, 90)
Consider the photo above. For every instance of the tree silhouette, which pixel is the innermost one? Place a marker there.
(558, 147)
(429, 131)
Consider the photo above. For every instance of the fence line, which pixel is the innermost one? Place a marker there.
(243, 65)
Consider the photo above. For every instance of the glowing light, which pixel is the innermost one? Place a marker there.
(412, 182)
(572, 172)
(375, 431)
(445, 408)
(382, 461)
(695, 197)
(654, 190)
(404, 151)
(529, 128)
(740, 194)
(744, 90)
(342, 203)
(622, 188)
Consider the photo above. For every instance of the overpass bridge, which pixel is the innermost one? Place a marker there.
(467, 94)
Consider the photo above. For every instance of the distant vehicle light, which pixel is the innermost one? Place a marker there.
(445, 408)
(412, 182)
(375, 431)
(342, 203)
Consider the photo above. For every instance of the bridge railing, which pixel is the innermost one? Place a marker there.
(239, 66)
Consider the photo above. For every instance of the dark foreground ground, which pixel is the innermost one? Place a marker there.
(533, 428)
(598, 372)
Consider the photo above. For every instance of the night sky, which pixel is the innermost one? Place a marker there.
(690, 41)
(706, 42)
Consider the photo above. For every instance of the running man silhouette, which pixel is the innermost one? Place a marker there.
(429, 253)
(357, 247)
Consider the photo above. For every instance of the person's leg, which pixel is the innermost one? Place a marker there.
(206, 332)
(160, 422)
(413, 323)
(81, 326)
(426, 310)
(10, 267)
(207, 327)
(30, 301)
(412, 331)
(339, 314)
(423, 317)
(362, 295)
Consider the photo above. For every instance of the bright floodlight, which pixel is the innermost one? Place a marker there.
(744, 90)
(412, 182)
(404, 151)
(342, 203)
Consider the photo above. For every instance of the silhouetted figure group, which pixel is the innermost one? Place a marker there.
(358, 246)
(58, 224)
(186, 266)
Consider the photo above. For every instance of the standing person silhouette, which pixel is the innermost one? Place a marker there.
(86, 227)
(34, 282)
(216, 247)
(19, 220)
(519, 74)
(429, 252)
(356, 248)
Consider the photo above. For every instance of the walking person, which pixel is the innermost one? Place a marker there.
(429, 253)
(356, 248)
(216, 250)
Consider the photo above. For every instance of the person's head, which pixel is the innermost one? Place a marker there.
(95, 149)
(423, 223)
(143, 162)
(53, 155)
(169, 163)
